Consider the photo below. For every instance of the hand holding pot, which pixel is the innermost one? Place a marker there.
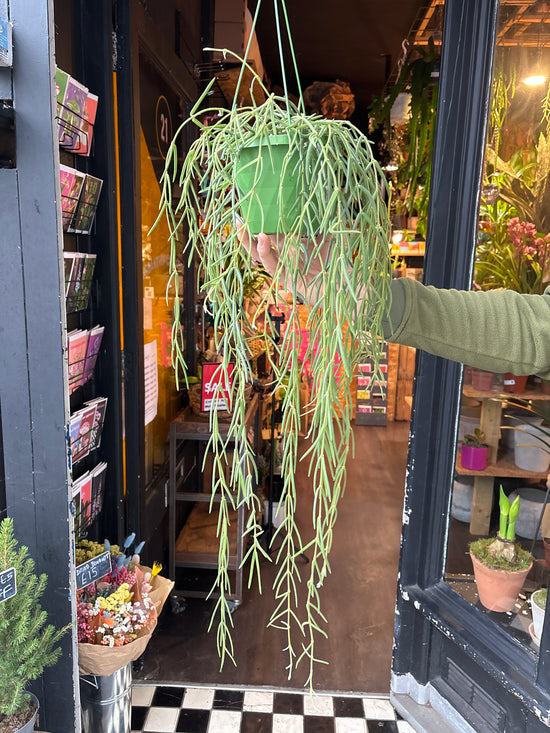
(266, 249)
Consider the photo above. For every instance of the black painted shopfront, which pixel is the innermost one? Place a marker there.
(452, 661)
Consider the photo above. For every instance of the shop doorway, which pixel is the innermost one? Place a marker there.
(358, 596)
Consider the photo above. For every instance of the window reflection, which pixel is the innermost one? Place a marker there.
(513, 244)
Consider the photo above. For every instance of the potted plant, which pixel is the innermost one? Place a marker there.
(475, 450)
(335, 207)
(538, 609)
(481, 380)
(408, 138)
(500, 564)
(28, 644)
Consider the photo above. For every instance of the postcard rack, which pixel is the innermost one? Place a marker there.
(75, 131)
(86, 512)
(79, 192)
(78, 216)
(75, 300)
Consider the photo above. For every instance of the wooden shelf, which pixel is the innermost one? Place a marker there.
(494, 394)
(504, 467)
(492, 403)
(197, 543)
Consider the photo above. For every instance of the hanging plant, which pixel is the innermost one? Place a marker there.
(331, 226)
(418, 76)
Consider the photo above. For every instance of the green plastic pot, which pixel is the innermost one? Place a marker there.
(269, 199)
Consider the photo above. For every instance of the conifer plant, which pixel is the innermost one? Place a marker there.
(27, 642)
(335, 213)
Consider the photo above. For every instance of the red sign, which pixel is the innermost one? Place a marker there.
(214, 382)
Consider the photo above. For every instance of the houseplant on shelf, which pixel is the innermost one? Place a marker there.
(474, 452)
(500, 564)
(335, 211)
(27, 643)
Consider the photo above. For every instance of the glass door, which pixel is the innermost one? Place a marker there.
(160, 115)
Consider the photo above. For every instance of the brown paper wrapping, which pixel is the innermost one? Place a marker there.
(103, 660)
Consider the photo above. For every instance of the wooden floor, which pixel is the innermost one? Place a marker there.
(358, 597)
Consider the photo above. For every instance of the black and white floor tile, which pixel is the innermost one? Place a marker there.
(159, 709)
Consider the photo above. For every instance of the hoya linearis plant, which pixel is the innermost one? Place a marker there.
(334, 255)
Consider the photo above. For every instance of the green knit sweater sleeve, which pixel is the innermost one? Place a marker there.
(500, 330)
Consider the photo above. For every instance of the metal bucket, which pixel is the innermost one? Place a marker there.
(106, 702)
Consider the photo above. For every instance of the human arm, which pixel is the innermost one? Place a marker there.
(499, 331)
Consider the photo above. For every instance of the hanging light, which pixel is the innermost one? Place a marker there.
(536, 76)
(534, 80)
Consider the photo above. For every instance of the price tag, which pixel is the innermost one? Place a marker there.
(8, 586)
(94, 569)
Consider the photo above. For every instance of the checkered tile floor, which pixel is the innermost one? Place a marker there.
(204, 710)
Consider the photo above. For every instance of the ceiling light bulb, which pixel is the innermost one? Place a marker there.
(534, 80)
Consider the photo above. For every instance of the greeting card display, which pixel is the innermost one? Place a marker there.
(85, 428)
(79, 199)
(79, 273)
(71, 182)
(84, 215)
(88, 492)
(371, 399)
(76, 113)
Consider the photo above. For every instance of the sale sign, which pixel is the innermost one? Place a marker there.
(216, 387)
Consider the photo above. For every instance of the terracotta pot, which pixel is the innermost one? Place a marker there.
(546, 542)
(543, 385)
(474, 459)
(498, 589)
(481, 381)
(515, 383)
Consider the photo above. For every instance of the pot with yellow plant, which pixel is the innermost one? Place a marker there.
(500, 564)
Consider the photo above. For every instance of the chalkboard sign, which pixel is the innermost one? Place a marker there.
(8, 586)
(94, 569)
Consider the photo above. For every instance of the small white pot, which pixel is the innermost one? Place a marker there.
(538, 613)
(530, 453)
